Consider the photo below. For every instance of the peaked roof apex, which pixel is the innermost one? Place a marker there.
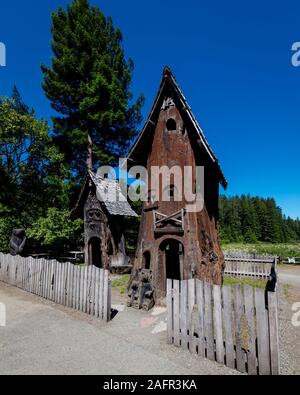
(168, 75)
(167, 71)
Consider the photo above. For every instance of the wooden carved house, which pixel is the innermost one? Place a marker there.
(172, 242)
(102, 206)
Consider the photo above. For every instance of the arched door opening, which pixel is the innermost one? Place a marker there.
(95, 257)
(171, 254)
(147, 260)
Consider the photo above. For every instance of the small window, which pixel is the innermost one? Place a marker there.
(146, 260)
(170, 193)
(171, 125)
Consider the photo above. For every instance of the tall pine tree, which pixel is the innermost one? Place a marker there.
(88, 84)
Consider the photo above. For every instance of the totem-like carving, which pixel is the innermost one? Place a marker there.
(94, 217)
(168, 102)
(141, 291)
(17, 241)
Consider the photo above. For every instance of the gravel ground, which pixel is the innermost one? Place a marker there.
(289, 335)
(43, 338)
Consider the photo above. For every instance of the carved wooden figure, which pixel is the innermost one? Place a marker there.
(17, 241)
(174, 242)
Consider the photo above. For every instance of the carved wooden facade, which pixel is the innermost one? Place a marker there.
(104, 244)
(173, 242)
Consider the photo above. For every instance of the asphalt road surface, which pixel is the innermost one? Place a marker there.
(289, 274)
(43, 338)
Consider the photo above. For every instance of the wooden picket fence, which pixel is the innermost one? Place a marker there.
(248, 255)
(229, 324)
(86, 289)
(249, 267)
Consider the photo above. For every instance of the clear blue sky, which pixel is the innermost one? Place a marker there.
(231, 58)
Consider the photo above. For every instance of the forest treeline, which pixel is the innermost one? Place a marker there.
(251, 219)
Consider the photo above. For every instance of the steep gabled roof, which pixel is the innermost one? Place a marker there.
(136, 152)
(109, 193)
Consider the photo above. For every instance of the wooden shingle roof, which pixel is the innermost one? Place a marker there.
(109, 193)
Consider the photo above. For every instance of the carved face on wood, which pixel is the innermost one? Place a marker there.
(94, 217)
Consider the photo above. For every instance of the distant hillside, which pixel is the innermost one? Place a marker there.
(250, 219)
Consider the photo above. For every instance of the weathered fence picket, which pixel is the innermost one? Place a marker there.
(228, 331)
(87, 289)
(233, 325)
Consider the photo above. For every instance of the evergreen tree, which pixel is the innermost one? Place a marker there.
(88, 84)
(248, 219)
(32, 173)
(252, 219)
(18, 103)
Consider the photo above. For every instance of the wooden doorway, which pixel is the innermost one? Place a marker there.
(171, 255)
(95, 256)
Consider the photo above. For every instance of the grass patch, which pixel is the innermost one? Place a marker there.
(286, 290)
(121, 283)
(255, 283)
(284, 250)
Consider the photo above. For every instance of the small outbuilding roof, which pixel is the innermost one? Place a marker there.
(109, 193)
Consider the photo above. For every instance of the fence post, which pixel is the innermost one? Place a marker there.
(190, 315)
(273, 333)
(262, 333)
(250, 315)
(183, 313)
(218, 327)
(176, 311)
(200, 306)
(227, 318)
(239, 310)
(170, 311)
(208, 322)
(106, 313)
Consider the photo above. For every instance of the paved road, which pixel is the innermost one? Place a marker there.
(44, 338)
(289, 275)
